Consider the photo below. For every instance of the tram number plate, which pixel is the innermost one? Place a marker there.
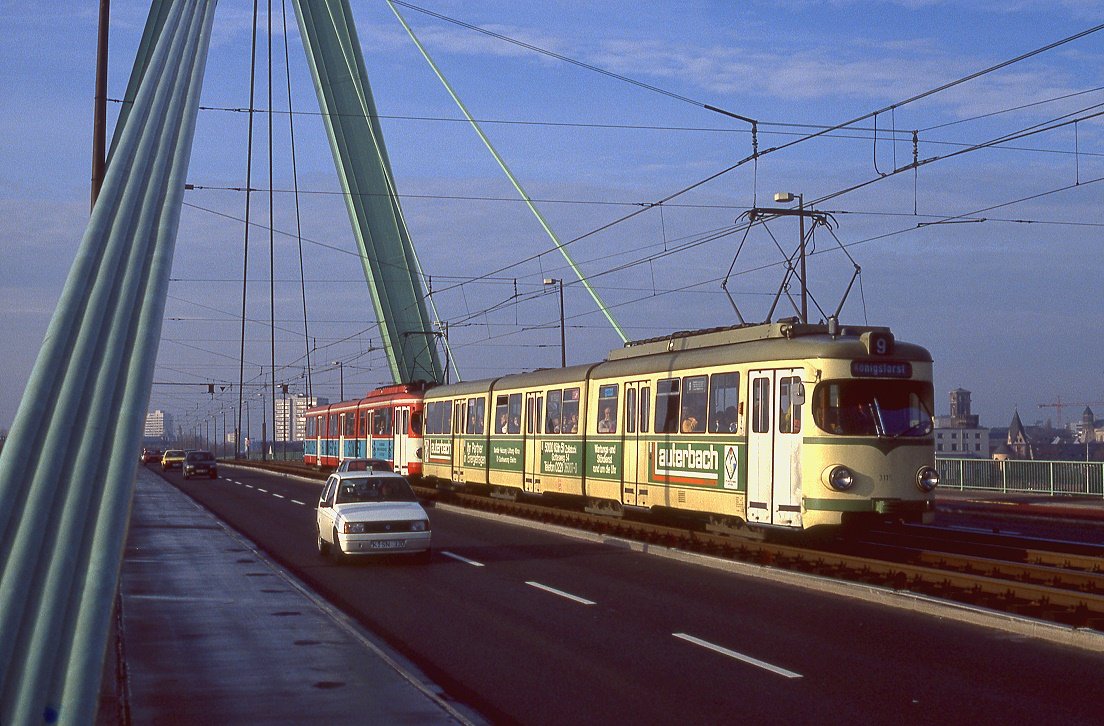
(387, 544)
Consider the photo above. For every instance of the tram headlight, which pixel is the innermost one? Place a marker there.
(927, 478)
(839, 478)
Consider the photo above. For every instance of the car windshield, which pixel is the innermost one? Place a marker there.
(201, 456)
(891, 409)
(174, 452)
(375, 489)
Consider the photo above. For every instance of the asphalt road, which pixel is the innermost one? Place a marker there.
(528, 626)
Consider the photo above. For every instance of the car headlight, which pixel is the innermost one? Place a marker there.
(420, 526)
(355, 528)
(927, 478)
(839, 478)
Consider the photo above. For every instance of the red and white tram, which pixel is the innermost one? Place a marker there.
(385, 424)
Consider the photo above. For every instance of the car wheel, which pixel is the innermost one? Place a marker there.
(323, 545)
(335, 550)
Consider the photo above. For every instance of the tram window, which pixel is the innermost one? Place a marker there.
(311, 427)
(439, 419)
(540, 408)
(607, 409)
(514, 426)
(874, 408)
(350, 425)
(645, 408)
(333, 430)
(362, 423)
(724, 399)
(477, 414)
(789, 410)
(570, 423)
(381, 419)
(433, 417)
(760, 405)
(529, 415)
(552, 422)
(502, 416)
(415, 423)
(667, 406)
(694, 409)
(630, 410)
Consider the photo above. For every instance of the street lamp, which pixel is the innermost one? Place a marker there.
(783, 197)
(341, 377)
(563, 339)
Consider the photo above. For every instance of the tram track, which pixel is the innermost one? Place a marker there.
(1063, 584)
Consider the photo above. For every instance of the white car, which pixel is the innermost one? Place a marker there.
(371, 513)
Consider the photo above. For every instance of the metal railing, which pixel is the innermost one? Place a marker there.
(1053, 478)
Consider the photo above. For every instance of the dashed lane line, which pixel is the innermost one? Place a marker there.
(738, 656)
(561, 593)
(465, 560)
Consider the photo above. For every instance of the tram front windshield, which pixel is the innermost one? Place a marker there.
(892, 409)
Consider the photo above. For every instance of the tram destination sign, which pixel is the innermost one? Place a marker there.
(881, 369)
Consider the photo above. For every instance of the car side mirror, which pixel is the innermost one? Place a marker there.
(324, 505)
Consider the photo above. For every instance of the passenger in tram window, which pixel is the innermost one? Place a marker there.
(502, 421)
(573, 424)
(515, 425)
(606, 424)
(732, 420)
(690, 425)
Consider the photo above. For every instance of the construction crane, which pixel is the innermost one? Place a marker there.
(1058, 404)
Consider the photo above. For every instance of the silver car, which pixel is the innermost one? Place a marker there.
(371, 513)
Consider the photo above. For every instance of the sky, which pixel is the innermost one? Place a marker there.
(991, 258)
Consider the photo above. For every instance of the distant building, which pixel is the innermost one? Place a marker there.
(960, 435)
(159, 425)
(291, 420)
(1019, 443)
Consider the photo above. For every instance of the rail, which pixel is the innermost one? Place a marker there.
(1052, 478)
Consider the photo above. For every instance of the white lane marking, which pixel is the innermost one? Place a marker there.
(238, 483)
(738, 656)
(250, 486)
(561, 593)
(279, 496)
(296, 501)
(455, 556)
(262, 490)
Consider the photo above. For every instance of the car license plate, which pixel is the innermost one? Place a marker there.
(387, 544)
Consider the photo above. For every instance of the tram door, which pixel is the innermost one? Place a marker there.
(341, 437)
(634, 460)
(402, 439)
(459, 419)
(774, 446)
(534, 420)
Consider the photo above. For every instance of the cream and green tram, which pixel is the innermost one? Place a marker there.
(783, 424)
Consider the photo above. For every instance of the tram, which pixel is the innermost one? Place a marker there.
(784, 424)
(385, 424)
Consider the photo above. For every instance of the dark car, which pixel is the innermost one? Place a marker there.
(150, 455)
(200, 463)
(362, 464)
